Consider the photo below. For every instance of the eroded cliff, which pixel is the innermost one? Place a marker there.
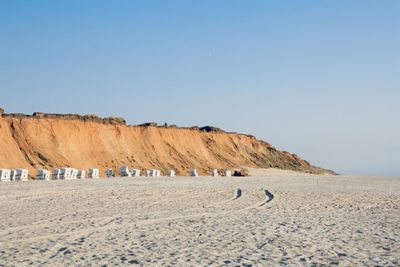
(51, 140)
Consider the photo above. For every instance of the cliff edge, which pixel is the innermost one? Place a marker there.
(55, 140)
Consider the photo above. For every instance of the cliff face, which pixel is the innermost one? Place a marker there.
(54, 141)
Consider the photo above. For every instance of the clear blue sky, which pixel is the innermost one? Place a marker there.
(317, 78)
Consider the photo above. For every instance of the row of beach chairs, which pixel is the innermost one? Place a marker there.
(20, 174)
(14, 175)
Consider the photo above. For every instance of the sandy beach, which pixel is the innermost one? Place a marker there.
(272, 218)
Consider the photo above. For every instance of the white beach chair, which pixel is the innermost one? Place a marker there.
(109, 173)
(193, 173)
(81, 174)
(43, 175)
(134, 172)
(124, 171)
(93, 173)
(68, 173)
(5, 175)
(228, 173)
(56, 174)
(13, 175)
(154, 173)
(215, 173)
(21, 174)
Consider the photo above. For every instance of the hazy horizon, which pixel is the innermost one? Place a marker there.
(318, 79)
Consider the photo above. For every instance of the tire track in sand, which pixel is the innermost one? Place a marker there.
(268, 198)
(237, 193)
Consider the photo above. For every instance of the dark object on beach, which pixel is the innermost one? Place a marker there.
(241, 173)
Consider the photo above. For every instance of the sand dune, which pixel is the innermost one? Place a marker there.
(278, 218)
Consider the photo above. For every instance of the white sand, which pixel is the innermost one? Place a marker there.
(196, 221)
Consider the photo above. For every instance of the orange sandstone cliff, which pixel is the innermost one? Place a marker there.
(51, 141)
